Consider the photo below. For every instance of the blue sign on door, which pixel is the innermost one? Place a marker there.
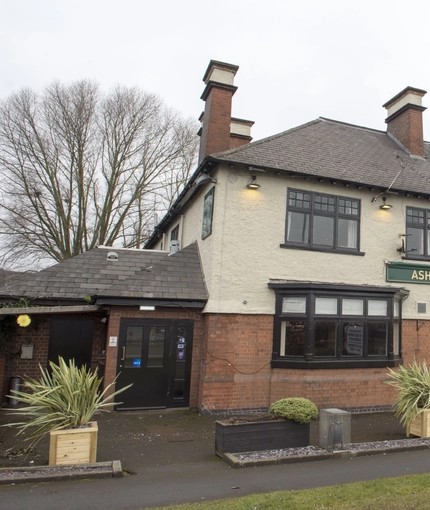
(137, 362)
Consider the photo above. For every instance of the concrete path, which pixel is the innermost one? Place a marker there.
(166, 485)
(170, 456)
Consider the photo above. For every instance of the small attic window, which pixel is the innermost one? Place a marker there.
(112, 255)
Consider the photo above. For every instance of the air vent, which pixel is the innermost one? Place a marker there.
(422, 307)
(112, 255)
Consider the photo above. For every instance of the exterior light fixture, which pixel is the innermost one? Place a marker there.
(385, 206)
(23, 321)
(253, 184)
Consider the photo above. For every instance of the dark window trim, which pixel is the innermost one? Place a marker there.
(336, 215)
(174, 234)
(426, 228)
(323, 250)
(314, 290)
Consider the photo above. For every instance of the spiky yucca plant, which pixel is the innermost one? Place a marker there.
(413, 385)
(64, 397)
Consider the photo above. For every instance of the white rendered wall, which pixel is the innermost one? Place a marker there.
(243, 252)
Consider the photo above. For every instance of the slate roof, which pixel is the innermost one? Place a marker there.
(337, 151)
(136, 274)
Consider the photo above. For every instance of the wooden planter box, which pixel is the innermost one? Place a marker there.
(73, 446)
(420, 425)
(260, 435)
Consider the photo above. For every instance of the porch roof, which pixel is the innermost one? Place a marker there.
(107, 272)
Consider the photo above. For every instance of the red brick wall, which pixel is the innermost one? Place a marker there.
(39, 337)
(238, 141)
(119, 313)
(407, 127)
(237, 373)
(215, 136)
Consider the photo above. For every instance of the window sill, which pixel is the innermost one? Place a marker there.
(333, 364)
(416, 257)
(322, 250)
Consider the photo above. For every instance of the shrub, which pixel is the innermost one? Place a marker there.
(64, 397)
(413, 385)
(298, 409)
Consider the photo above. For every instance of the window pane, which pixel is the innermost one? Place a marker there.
(396, 339)
(415, 240)
(325, 338)
(323, 230)
(347, 233)
(292, 338)
(133, 347)
(326, 306)
(299, 199)
(348, 207)
(377, 344)
(352, 307)
(415, 216)
(326, 204)
(294, 305)
(377, 307)
(156, 346)
(181, 343)
(352, 339)
(298, 228)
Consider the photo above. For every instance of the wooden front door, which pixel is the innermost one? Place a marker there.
(155, 356)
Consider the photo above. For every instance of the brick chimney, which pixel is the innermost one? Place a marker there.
(404, 119)
(219, 131)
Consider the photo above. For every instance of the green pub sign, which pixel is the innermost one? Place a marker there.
(408, 273)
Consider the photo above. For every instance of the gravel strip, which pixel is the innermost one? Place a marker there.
(312, 450)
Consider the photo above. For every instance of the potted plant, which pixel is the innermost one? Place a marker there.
(62, 403)
(286, 426)
(413, 398)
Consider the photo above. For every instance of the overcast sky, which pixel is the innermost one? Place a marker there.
(298, 59)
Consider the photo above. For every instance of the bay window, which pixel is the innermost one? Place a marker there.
(326, 326)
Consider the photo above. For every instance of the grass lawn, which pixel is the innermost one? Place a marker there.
(404, 493)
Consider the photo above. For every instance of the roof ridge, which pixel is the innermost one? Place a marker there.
(366, 128)
(217, 155)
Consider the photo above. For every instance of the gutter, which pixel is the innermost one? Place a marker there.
(32, 310)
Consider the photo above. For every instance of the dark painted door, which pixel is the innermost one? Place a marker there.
(155, 356)
(71, 339)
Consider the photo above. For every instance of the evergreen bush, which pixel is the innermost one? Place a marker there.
(297, 409)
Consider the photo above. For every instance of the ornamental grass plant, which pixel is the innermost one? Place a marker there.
(65, 397)
(298, 409)
(413, 385)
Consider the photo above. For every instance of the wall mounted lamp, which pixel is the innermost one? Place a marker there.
(385, 206)
(253, 184)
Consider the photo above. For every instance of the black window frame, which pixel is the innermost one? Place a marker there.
(310, 318)
(414, 212)
(315, 205)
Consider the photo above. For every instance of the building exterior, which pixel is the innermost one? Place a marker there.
(297, 265)
(315, 249)
(133, 314)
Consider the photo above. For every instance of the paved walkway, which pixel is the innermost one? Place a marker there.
(170, 458)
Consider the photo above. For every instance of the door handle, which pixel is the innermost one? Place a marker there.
(123, 354)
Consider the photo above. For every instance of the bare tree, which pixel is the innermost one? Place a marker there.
(79, 169)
